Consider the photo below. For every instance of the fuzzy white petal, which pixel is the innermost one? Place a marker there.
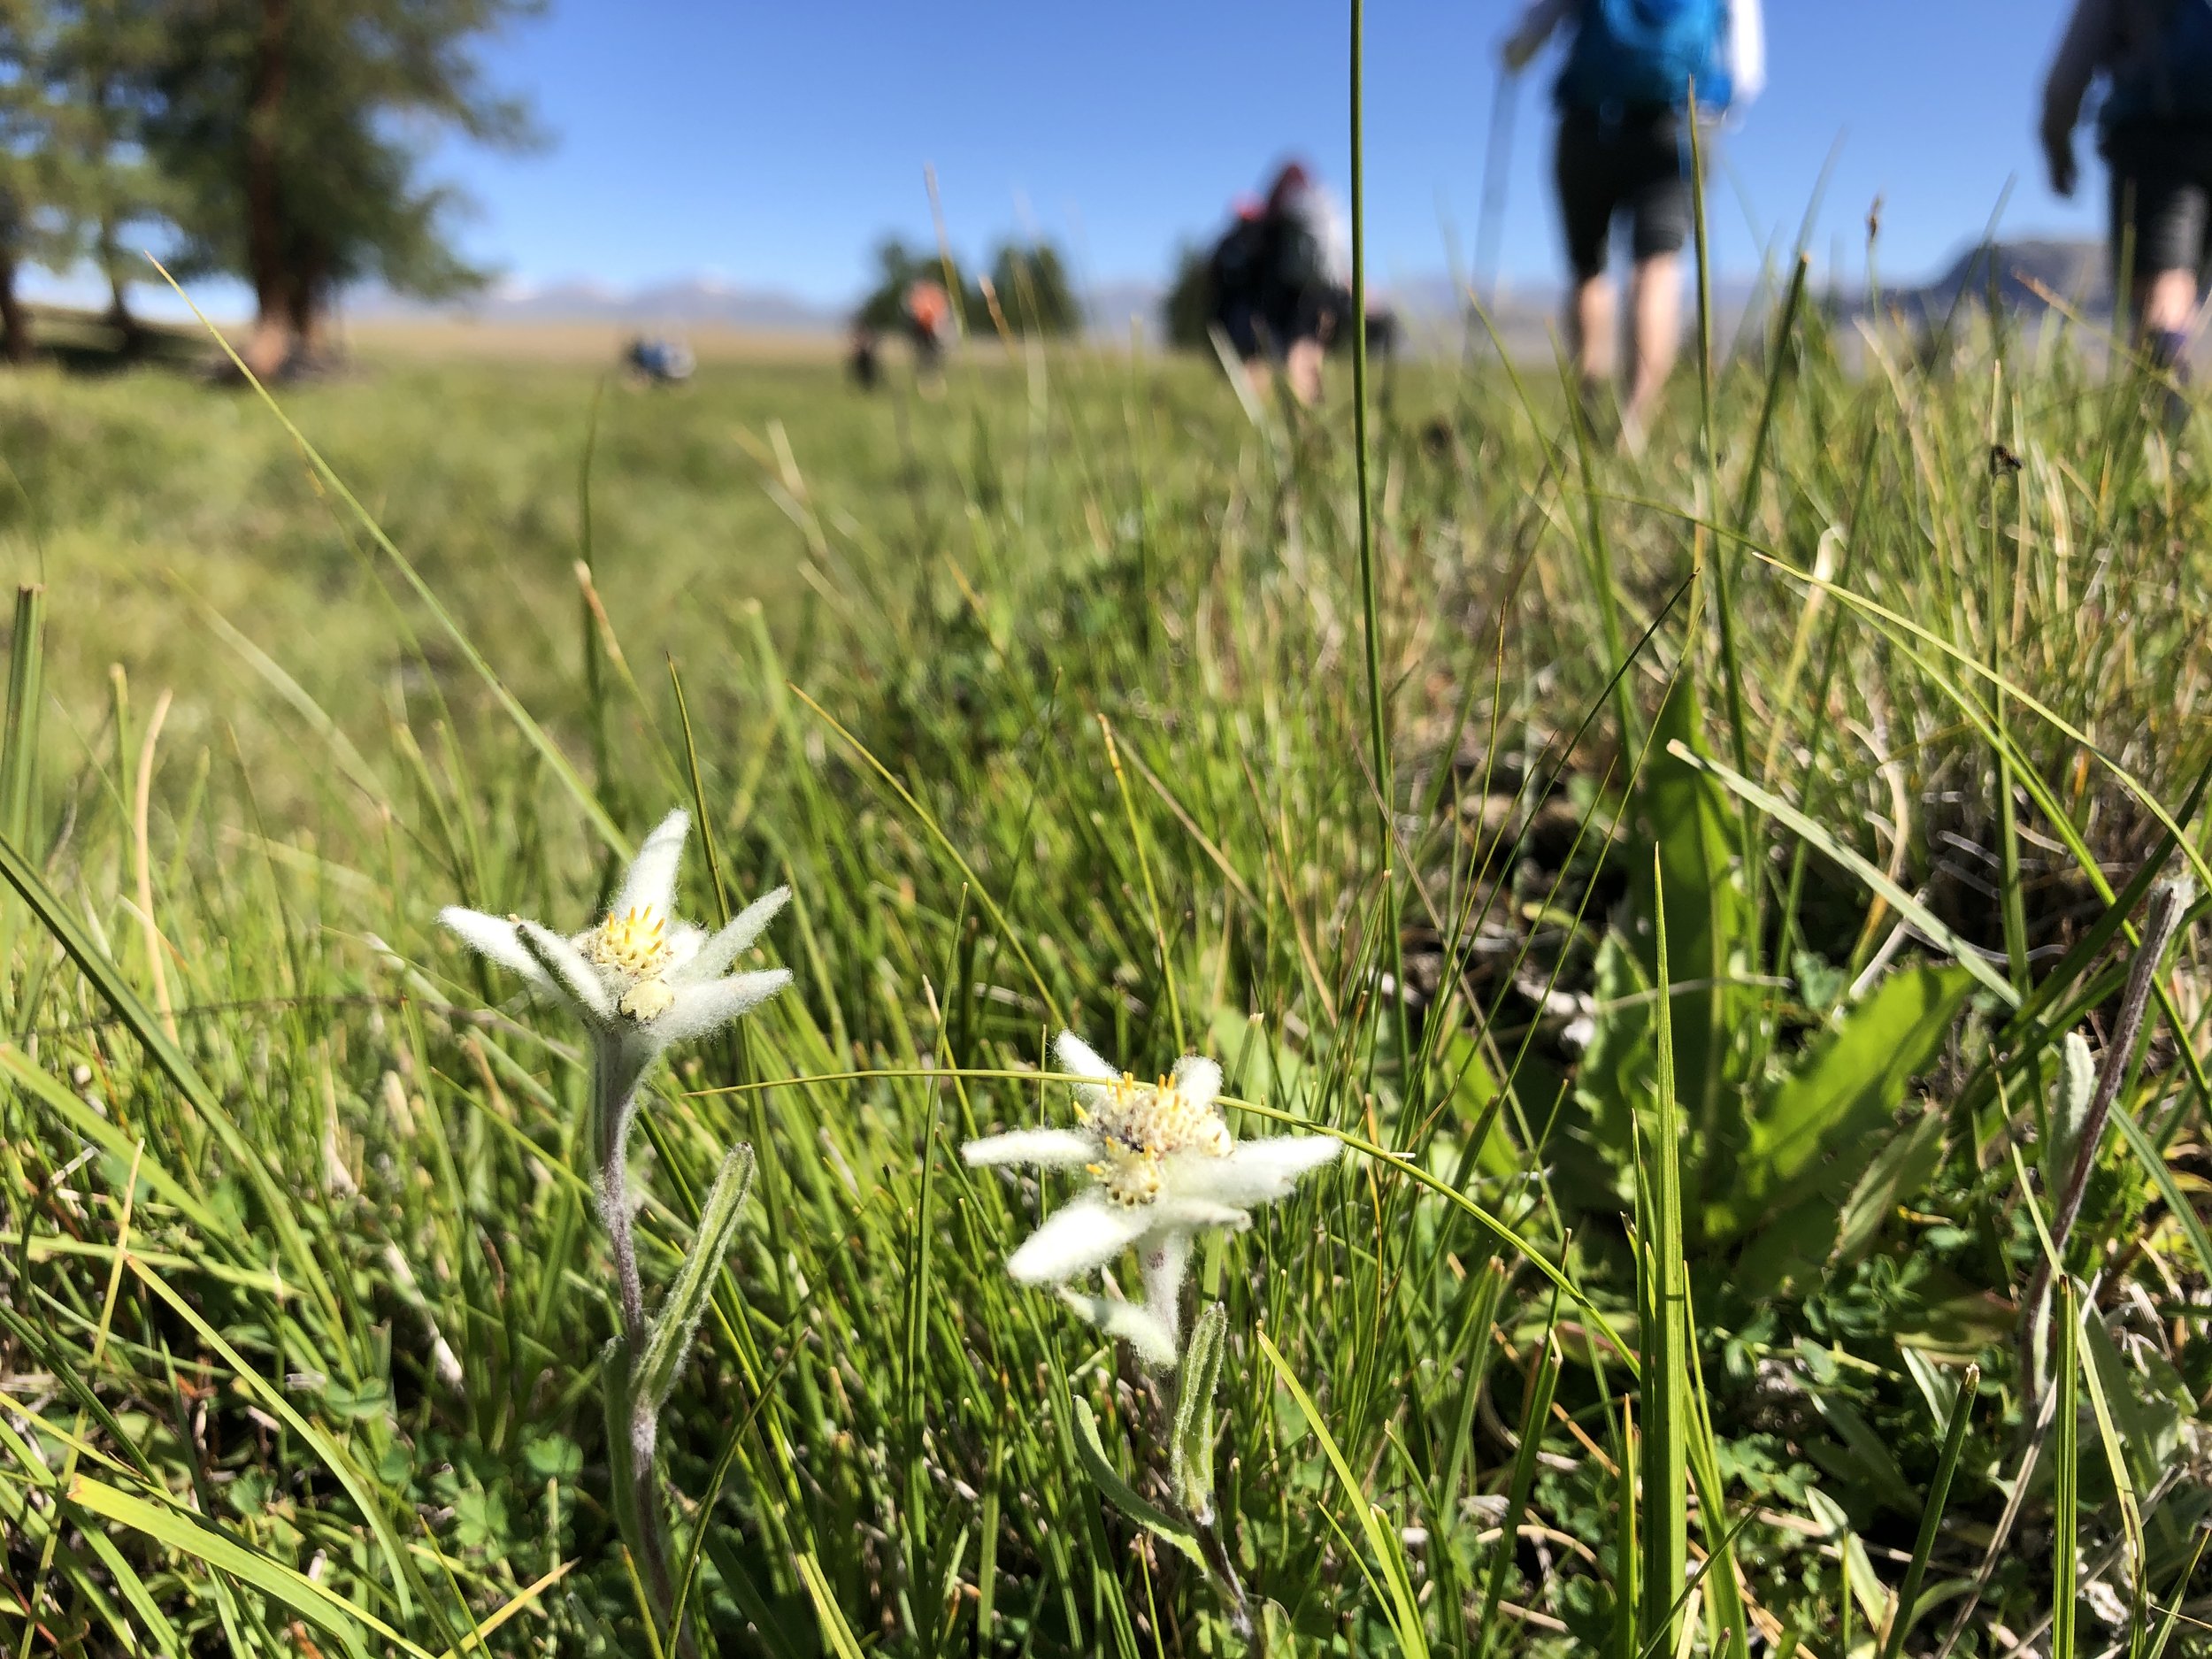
(651, 883)
(684, 940)
(716, 955)
(565, 965)
(1255, 1172)
(1198, 1079)
(1165, 1264)
(1079, 1057)
(494, 937)
(1045, 1148)
(1178, 1211)
(1078, 1236)
(700, 1009)
(1133, 1323)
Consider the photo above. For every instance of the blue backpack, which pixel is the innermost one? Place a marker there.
(2173, 80)
(1645, 53)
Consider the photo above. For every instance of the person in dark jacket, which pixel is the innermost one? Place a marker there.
(1279, 283)
(2155, 131)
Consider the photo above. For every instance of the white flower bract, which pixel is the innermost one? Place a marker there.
(1163, 1165)
(639, 978)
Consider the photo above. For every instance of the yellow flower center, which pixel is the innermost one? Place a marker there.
(633, 944)
(1140, 1124)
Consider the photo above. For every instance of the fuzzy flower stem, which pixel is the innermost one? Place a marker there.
(615, 1110)
(1216, 1550)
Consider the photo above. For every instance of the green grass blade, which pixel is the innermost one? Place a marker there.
(194, 1538)
(1903, 902)
(1662, 1294)
(548, 751)
(19, 735)
(1535, 1418)
(2066, 1468)
(1403, 1610)
(333, 1456)
(1932, 1514)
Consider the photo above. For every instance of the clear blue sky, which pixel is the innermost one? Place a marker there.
(773, 144)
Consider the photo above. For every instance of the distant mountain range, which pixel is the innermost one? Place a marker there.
(2075, 270)
(693, 301)
(2025, 272)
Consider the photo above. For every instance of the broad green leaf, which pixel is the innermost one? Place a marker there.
(1899, 1172)
(1843, 1092)
(2070, 1110)
(1866, 1589)
(1944, 1316)
(1474, 1100)
(618, 1399)
(669, 1338)
(1693, 831)
(1595, 1150)
(1120, 1493)
(1192, 1449)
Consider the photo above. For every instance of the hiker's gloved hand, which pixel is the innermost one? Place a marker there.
(2058, 156)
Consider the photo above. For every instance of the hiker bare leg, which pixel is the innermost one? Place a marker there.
(1590, 333)
(1302, 369)
(2165, 303)
(1656, 331)
(2165, 314)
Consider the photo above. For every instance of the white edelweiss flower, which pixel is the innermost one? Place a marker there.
(1163, 1165)
(638, 978)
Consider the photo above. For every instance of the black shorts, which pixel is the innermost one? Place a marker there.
(2161, 196)
(1279, 319)
(1637, 163)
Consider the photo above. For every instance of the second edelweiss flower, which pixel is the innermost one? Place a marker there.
(1163, 1165)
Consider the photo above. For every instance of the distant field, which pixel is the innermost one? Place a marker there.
(460, 338)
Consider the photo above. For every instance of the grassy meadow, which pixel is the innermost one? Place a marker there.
(1741, 974)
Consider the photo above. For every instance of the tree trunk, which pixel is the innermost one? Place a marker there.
(15, 323)
(130, 334)
(307, 304)
(272, 341)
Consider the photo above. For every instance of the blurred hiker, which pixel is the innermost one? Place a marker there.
(928, 320)
(662, 361)
(865, 361)
(1280, 288)
(1235, 272)
(1624, 152)
(2154, 128)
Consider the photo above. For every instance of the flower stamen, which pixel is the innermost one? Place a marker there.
(635, 943)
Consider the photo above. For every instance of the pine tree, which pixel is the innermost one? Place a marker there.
(295, 133)
(101, 60)
(1034, 291)
(28, 183)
